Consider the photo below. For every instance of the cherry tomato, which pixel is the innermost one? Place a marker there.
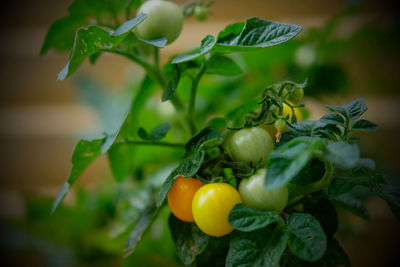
(180, 197)
(164, 19)
(250, 145)
(254, 195)
(201, 12)
(211, 206)
(288, 111)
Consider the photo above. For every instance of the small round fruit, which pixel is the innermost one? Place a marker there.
(164, 19)
(280, 124)
(201, 12)
(288, 111)
(250, 145)
(180, 197)
(298, 94)
(254, 195)
(211, 206)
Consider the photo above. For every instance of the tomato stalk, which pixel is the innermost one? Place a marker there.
(155, 143)
(323, 183)
(192, 100)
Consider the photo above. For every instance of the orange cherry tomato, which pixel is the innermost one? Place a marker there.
(180, 197)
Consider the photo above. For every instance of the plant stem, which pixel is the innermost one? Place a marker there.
(156, 57)
(192, 100)
(156, 143)
(314, 187)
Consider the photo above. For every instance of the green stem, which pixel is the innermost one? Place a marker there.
(314, 187)
(192, 100)
(156, 143)
(157, 57)
(154, 73)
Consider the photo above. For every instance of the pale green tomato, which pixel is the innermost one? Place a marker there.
(201, 12)
(164, 19)
(250, 145)
(254, 195)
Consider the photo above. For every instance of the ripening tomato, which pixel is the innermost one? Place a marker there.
(211, 206)
(250, 145)
(164, 19)
(180, 197)
(288, 111)
(255, 196)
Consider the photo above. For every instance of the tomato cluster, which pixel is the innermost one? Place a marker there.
(209, 205)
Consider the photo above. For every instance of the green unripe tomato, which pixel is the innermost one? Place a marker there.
(280, 124)
(254, 195)
(164, 19)
(250, 145)
(297, 94)
(201, 12)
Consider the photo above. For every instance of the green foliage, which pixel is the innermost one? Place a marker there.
(257, 248)
(184, 236)
(246, 220)
(318, 160)
(84, 154)
(307, 239)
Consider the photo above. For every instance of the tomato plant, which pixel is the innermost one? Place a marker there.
(180, 197)
(255, 196)
(211, 206)
(318, 160)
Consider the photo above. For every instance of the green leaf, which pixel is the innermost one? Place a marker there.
(286, 163)
(311, 173)
(189, 240)
(172, 85)
(342, 185)
(391, 194)
(121, 158)
(91, 41)
(332, 118)
(257, 248)
(128, 126)
(206, 45)
(142, 225)
(245, 219)
(61, 34)
(128, 25)
(84, 154)
(364, 126)
(254, 34)
(344, 155)
(223, 65)
(201, 137)
(352, 204)
(352, 110)
(166, 186)
(160, 42)
(158, 133)
(307, 239)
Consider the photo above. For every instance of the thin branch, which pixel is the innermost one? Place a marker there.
(156, 143)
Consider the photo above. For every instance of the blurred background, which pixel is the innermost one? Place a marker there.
(347, 49)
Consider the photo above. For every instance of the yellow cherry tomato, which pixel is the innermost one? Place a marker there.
(288, 111)
(180, 197)
(211, 206)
